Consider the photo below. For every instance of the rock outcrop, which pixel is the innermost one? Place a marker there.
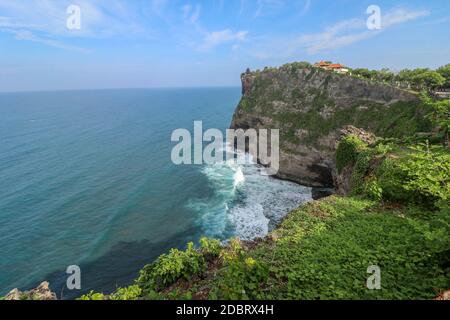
(342, 180)
(42, 292)
(310, 106)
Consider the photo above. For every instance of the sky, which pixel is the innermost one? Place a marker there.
(175, 43)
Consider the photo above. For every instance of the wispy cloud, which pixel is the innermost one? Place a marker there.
(350, 31)
(265, 7)
(401, 15)
(191, 14)
(217, 38)
(306, 7)
(29, 36)
(43, 20)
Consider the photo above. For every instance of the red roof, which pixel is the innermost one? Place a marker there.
(336, 66)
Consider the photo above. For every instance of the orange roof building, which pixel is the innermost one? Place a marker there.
(337, 67)
(322, 64)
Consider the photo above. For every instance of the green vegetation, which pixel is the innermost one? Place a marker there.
(417, 175)
(348, 150)
(445, 72)
(418, 79)
(169, 268)
(399, 120)
(439, 116)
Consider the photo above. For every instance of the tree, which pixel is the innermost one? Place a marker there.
(445, 72)
(439, 116)
(361, 72)
(431, 79)
(386, 75)
(405, 77)
(417, 79)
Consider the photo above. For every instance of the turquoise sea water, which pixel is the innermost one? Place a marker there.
(86, 179)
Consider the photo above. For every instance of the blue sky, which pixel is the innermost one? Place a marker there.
(175, 43)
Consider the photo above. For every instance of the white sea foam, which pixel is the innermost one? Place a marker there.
(245, 203)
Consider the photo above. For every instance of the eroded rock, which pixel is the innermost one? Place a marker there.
(42, 292)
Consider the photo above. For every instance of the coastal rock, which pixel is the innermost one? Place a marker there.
(342, 180)
(314, 108)
(366, 137)
(42, 292)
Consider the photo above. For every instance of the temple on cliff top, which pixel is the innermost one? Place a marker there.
(336, 67)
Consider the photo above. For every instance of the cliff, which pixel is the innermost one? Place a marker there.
(311, 105)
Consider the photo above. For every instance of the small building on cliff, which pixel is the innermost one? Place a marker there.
(336, 67)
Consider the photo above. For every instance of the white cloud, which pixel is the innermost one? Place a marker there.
(347, 32)
(190, 14)
(265, 7)
(27, 35)
(216, 38)
(401, 15)
(306, 7)
(43, 20)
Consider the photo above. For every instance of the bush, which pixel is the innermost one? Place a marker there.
(323, 252)
(130, 293)
(93, 296)
(169, 268)
(243, 276)
(421, 176)
(372, 189)
(361, 170)
(210, 248)
(427, 175)
(348, 151)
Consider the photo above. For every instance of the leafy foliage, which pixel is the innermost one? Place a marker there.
(130, 293)
(93, 296)
(420, 78)
(169, 268)
(427, 175)
(323, 249)
(348, 151)
(439, 115)
(243, 276)
(210, 248)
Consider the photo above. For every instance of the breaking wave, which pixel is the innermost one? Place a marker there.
(244, 202)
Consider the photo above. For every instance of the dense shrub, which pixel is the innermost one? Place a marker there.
(93, 296)
(129, 293)
(324, 250)
(348, 150)
(210, 248)
(420, 176)
(243, 277)
(169, 268)
(427, 175)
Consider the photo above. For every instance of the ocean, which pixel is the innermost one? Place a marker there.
(86, 179)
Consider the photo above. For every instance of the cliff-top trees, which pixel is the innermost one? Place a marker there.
(440, 116)
(418, 79)
(445, 72)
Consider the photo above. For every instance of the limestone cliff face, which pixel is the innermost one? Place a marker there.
(310, 106)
